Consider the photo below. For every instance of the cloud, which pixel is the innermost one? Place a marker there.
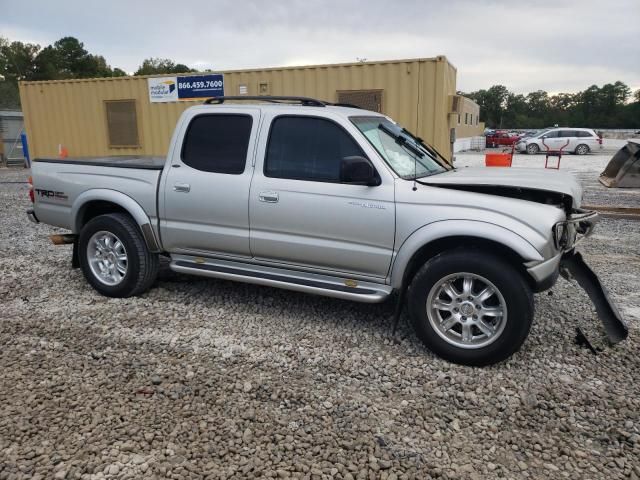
(542, 44)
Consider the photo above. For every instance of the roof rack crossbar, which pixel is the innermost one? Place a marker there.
(305, 101)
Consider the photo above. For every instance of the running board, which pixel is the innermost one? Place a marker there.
(328, 286)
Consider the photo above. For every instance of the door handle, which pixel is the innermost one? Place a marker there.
(181, 187)
(269, 197)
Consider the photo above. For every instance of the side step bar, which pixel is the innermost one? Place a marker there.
(325, 285)
(574, 267)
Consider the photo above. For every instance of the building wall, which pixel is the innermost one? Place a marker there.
(72, 112)
(468, 122)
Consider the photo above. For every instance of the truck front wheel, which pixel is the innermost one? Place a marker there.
(470, 307)
(114, 257)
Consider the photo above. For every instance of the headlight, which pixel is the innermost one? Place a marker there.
(560, 235)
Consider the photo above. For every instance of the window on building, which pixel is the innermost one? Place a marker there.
(122, 123)
(466, 118)
(217, 143)
(308, 148)
(471, 119)
(458, 119)
(477, 119)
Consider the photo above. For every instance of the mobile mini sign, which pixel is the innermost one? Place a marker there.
(174, 89)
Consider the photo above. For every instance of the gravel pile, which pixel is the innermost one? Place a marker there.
(213, 379)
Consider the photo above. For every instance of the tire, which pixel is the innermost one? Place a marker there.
(533, 148)
(582, 149)
(512, 297)
(124, 267)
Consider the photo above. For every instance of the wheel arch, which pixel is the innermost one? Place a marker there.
(433, 239)
(93, 203)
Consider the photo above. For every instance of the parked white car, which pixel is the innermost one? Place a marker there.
(572, 140)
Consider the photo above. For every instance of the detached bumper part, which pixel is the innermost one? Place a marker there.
(32, 216)
(573, 267)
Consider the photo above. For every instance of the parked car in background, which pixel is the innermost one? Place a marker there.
(501, 138)
(572, 140)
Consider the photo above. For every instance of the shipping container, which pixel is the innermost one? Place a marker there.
(115, 116)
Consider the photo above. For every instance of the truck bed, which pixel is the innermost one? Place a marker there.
(59, 183)
(145, 163)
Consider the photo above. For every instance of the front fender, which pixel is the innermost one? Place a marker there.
(459, 228)
(118, 198)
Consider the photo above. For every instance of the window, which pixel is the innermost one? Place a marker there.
(466, 117)
(458, 119)
(551, 134)
(567, 134)
(308, 148)
(584, 134)
(122, 123)
(217, 143)
(471, 119)
(477, 120)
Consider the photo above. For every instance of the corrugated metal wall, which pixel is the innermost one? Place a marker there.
(72, 112)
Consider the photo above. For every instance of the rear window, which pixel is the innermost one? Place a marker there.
(217, 143)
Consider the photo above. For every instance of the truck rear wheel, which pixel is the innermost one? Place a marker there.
(114, 257)
(471, 308)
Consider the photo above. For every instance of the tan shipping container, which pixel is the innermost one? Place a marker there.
(74, 113)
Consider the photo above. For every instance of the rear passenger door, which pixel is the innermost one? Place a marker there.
(300, 213)
(204, 197)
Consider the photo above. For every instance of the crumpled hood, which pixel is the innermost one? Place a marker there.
(518, 178)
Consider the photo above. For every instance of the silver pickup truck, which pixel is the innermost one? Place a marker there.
(331, 200)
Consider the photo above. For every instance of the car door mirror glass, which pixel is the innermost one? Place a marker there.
(358, 170)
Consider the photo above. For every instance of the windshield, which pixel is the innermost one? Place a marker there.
(407, 155)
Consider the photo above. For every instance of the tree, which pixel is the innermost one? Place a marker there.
(16, 59)
(16, 63)
(155, 66)
(67, 58)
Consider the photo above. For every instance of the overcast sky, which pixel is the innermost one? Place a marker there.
(554, 45)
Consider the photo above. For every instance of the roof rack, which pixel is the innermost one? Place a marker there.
(305, 101)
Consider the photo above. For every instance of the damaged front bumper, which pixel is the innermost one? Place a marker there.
(574, 268)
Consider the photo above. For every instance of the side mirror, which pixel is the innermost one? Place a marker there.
(358, 171)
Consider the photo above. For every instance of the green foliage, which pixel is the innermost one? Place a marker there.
(608, 106)
(155, 66)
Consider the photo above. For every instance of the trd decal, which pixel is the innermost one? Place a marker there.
(51, 194)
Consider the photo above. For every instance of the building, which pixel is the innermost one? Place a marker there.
(136, 115)
(11, 126)
(468, 125)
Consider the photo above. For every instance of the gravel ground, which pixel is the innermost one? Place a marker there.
(213, 379)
